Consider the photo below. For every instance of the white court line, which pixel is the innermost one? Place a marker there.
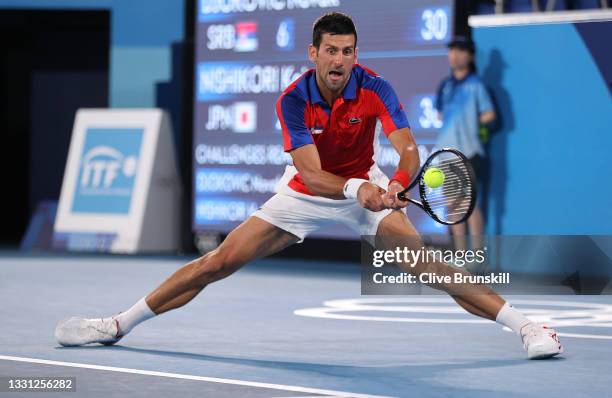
(585, 336)
(596, 315)
(326, 393)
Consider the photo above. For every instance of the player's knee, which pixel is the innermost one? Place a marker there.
(419, 268)
(214, 266)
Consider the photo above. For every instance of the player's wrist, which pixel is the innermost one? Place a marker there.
(395, 184)
(351, 187)
(401, 177)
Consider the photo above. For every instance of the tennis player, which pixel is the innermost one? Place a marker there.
(328, 119)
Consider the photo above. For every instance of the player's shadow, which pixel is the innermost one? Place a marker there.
(414, 375)
(495, 172)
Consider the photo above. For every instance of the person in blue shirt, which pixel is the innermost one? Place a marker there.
(464, 106)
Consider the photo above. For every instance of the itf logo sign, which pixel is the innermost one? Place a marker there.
(107, 170)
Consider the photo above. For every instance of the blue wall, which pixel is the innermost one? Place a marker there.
(142, 32)
(551, 162)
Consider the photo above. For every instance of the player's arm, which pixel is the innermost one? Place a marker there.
(320, 182)
(298, 141)
(397, 129)
(403, 142)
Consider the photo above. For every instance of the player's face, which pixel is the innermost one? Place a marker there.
(459, 58)
(334, 60)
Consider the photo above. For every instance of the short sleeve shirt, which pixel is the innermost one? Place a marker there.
(344, 133)
(462, 102)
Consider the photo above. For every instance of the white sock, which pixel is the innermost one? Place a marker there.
(139, 312)
(512, 318)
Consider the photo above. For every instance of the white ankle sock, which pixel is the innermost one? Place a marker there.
(512, 318)
(139, 312)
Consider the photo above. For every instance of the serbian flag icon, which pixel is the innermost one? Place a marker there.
(246, 36)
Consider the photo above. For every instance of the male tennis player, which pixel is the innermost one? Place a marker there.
(328, 119)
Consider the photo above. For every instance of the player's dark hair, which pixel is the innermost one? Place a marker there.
(334, 23)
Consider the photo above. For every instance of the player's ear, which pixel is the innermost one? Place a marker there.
(312, 53)
(356, 55)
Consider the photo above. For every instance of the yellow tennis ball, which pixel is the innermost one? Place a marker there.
(433, 177)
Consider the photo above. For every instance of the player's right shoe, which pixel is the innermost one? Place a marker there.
(80, 331)
(540, 341)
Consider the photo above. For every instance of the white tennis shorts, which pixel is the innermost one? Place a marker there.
(302, 214)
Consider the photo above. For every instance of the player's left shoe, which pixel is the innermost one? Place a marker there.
(80, 331)
(540, 341)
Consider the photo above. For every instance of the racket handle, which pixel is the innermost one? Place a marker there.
(402, 195)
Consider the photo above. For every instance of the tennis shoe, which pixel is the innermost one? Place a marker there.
(540, 341)
(80, 331)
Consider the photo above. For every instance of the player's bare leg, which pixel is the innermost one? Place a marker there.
(255, 238)
(395, 229)
(476, 299)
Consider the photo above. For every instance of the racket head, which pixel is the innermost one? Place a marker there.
(453, 201)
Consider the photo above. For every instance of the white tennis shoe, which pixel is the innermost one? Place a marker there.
(80, 331)
(540, 341)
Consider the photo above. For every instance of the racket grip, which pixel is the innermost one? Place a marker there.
(401, 195)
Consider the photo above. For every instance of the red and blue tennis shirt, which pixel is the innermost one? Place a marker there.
(343, 134)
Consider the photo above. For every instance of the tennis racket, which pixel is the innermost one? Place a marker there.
(453, 201)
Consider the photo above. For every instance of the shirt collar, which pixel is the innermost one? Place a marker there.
(349, 92)
(315, 95)
(458, 81)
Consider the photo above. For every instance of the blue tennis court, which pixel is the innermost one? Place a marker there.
(138, 135)
(285, 328)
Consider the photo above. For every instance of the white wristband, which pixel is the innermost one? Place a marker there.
(351, 187)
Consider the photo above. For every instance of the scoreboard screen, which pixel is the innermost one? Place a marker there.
(248, 51)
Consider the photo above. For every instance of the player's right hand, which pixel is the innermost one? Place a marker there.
(370, 196)
(390, 198)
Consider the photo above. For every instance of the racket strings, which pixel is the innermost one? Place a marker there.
(452, 201)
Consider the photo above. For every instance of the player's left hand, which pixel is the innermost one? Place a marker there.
(390, 198)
